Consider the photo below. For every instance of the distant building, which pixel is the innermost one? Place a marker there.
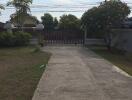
(29, 20)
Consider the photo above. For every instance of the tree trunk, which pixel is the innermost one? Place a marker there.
(22, 28)
(108, 39)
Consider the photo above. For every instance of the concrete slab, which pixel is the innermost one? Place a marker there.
(76, 73)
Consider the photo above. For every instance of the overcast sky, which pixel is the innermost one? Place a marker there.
(55, 7)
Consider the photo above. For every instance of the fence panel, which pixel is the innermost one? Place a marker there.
(63, 37)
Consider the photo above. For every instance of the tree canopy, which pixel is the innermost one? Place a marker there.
(22, 9)
(55, 23)
(69, 22)
(47, 21)
(104, 17)
(20, 5)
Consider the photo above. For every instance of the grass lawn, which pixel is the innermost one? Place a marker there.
(20, 72)
(120, 60)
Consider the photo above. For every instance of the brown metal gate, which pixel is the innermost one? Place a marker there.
(63, 37)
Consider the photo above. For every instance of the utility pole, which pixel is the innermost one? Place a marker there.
(85, 35)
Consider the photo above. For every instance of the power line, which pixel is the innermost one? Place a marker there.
(61, 11)
(55, 6)
(71, 8)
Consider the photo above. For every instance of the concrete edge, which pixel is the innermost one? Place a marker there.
(119, 70)
(115, 68)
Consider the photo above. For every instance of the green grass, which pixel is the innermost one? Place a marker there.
(118, 59)
(20, 72)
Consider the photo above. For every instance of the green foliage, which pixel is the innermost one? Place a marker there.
(22, 38)
(102, 18)
(55, 23)
(69, 22)
(6, 38)
(20, 5)
(47, 21)
(22, 9)
(14, 39)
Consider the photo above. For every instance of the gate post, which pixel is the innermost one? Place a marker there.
(40, 28)
(85, 36)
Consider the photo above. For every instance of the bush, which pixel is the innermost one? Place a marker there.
(22, 38)
(14, 39)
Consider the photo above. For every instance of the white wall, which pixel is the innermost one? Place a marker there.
(122, 39)
(89, 41)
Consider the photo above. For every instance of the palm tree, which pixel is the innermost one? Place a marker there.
(22, 9)
(21, 4)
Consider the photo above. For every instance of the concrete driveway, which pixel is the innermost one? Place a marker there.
(76, 73)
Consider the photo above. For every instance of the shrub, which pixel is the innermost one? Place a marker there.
(22, 38)
(14, 39)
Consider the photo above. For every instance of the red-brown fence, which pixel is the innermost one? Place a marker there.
(63, 37)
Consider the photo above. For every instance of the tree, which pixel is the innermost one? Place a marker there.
(55, 23)
(100, 20)
(47, 21)
(22, 9)
(69, 22)
(20, 5)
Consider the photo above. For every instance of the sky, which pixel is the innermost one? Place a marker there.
(55, 7)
